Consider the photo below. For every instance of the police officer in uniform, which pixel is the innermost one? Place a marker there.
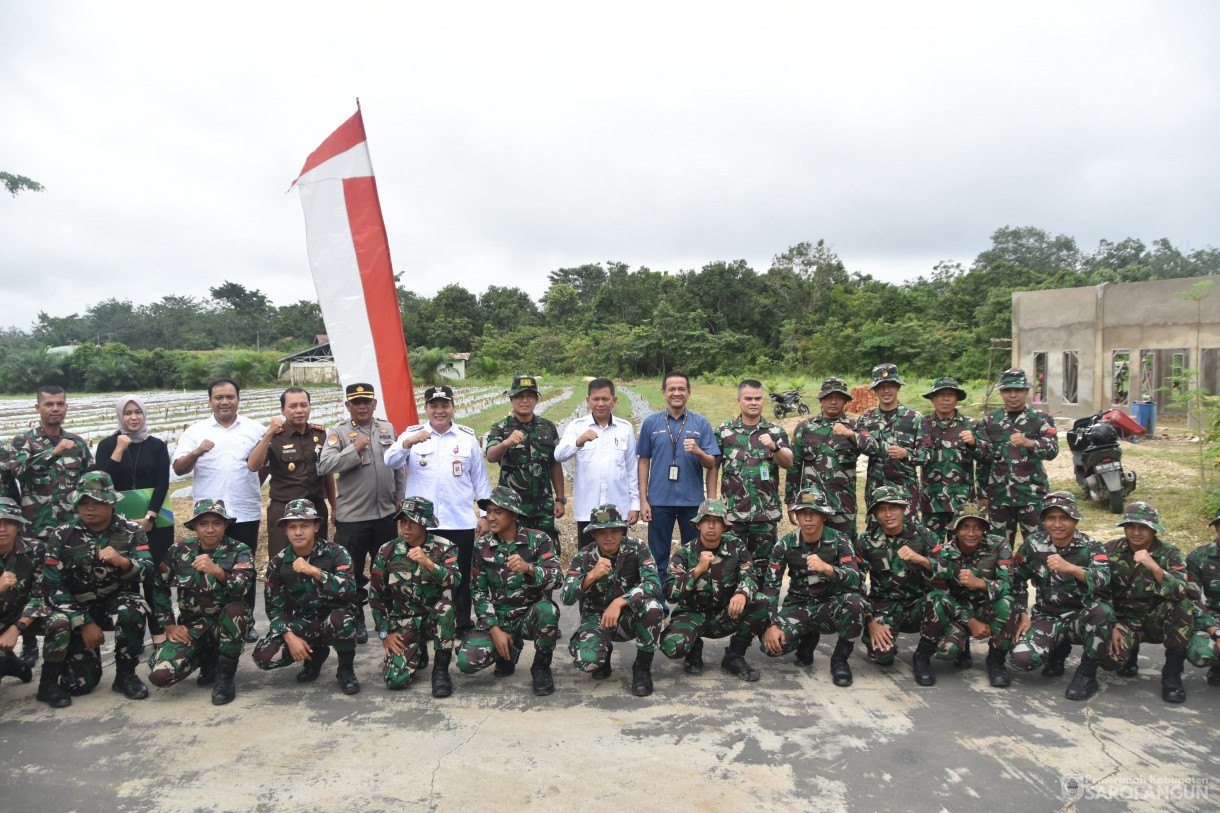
(444, 463)
(369, 490)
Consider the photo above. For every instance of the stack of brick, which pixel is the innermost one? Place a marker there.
(861, 399)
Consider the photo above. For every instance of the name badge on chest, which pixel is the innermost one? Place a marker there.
(673, 472)
(457, 468)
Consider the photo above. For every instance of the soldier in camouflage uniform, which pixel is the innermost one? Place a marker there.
(210, 571)
(21, 565)
(896, 429)
(512, 570)
(95, 566)
(896, 555)
(949, 447)
(309, 595)
(616, 582)
(824, 449)
(410, 576)
(524, 446)
(753, 451)
(972, 595)
(46, 463)
(1149, 596)
(823, 589)
(1203, 573)
(713, 586)
(1070, 572)
(1011, 476)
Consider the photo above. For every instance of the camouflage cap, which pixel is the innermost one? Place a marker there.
(96, 485)
(1013, 379)
(1062, 500)
(885, 373)
(605, 515)
(811, 499)
(419, 510)
(711, 508)
(523, 383)
(506, 498)
(10, 510)
(945, 383)
(968, 511)
(832, 385)
(208, 507)
(888, 495)
(1141, 513)
(298, 509)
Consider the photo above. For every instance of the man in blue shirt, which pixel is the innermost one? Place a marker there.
(677, 451)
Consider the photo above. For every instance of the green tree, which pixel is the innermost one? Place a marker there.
(18, 183)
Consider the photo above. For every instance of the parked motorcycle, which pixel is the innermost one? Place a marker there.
(790, 401)
(1098, 462)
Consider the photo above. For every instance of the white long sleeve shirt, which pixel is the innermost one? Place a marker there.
(605, 466)
(447, 469)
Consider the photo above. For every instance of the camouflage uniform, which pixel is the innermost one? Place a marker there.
(213, 612)
(947, 462)
(526, 467)
(47, 480)
(633, 577)
(410, 600)
(25, 562)
(1144, 610)
(749, 483)
(900, 428)
(827, 462)
(1012, 478)
(898, 590)
(1203, 571)
(1066, 611)
(79, 588)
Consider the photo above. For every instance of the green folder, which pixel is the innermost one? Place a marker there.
(134, 505)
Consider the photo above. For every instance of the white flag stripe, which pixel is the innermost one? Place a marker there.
(354, 163)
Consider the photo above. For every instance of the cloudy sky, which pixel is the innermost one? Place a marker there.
(512, 138)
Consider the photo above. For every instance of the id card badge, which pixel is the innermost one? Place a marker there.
(673, 472)
(764, 473)
(457, 468)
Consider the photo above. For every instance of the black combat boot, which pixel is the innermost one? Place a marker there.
(11, 665)
(49, 690)
(29, 648)
(840, 672)
(1131, 668)
(251, 632)
(804, 648)
(313, 667)
(997, 673)
(423, 655)
(442, 686)
(224, 690)
(125, 680)
(692, 664)
(346, 673)
(506, 666)
(602, 672)
(1172, 690)
(1213, 675)
(362, 633)
(1056, 660)
(734, 661)
(540, 672)
(1084, 682)
(207, 666)
(641, 674)
(921, 662)
(964, 659)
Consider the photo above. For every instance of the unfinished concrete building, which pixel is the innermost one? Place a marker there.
(1089, 349)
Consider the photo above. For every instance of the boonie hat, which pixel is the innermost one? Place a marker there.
(298, 509)
(1064, 502)
(884, 373)
(711, 508)
(811, 499)
(832, 385)
(946, 383)
(417, 509)
(1141, 513)
(523, 383)
(1013, 379)
(605, 515)
(96, 485)
(506, 498)
(202, 507)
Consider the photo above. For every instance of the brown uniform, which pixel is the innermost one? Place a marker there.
(292, 462)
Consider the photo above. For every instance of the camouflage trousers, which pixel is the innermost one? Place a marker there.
(439, 624)
(937, 523)
(759, 537)
(844, 524)
(122, 613)
(336, 628)
(841, 615)
(687, 626)
(945, 617)
(225, 632)
(1089, 626)
(1201, 649)
(538, 622)
(1171, 623)
(899, 616)
(590, 645)
(1008, 519)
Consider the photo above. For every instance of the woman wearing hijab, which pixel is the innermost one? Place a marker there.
(134, 459)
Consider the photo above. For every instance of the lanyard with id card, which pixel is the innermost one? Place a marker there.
(673, 467)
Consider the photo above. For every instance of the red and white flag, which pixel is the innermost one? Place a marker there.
(350, 257)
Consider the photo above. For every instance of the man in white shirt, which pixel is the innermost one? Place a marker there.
(604, 449)
(444, 464)
(215, 449)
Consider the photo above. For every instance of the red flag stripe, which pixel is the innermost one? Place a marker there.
(349, 134)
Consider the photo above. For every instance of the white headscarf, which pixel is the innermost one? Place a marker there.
(136, 437)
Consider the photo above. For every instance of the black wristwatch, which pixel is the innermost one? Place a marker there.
(21, 626)
(563, 500)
